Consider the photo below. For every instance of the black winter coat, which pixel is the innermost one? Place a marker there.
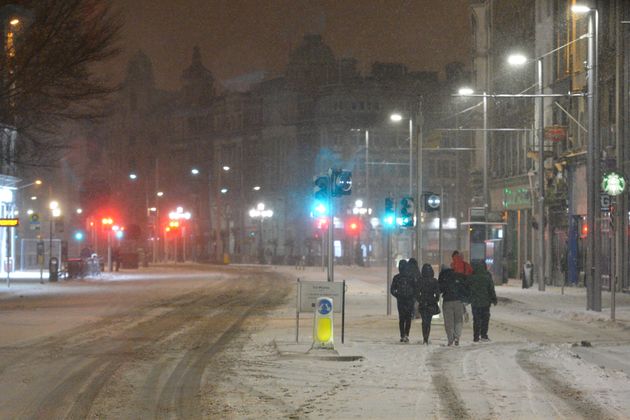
(428, 292)
(451, 285)
(403, 287)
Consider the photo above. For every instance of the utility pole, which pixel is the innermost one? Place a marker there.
(541, 177)
(594, 290)
(622, 204)
(331, 229)
(420, 123)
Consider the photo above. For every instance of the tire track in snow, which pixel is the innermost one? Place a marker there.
(450, 400)
(554, 384)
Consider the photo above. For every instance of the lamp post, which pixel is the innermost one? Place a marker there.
(260, 213)
(397, 118)
(55, 211)
(593, 170)
(519, 60)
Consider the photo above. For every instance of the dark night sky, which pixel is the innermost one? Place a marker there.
(240, 36)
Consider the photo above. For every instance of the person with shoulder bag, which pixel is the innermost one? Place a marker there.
(403, 288)
(428, 298)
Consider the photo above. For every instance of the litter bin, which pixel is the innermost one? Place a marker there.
(53, 269)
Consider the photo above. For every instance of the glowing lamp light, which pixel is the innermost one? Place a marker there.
(78, 236)
(226, 168)
(133, 176)
(79, 211)
(119, 234)
(14, 22)
(256, 188)
(395, 117)
(56, 212)
(194, 171)
(580, 8)
(465, 91)
(516, 59)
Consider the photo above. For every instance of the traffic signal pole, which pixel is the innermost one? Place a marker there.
(331, 230)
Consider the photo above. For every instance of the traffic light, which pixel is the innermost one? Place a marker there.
(584, 230)
(389, 218)
(353, 226)
(341, 182)
(320, 188)
(321, 223)
(432, 202)
(407, 212)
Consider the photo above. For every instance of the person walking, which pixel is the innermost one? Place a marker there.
(404, 290)
(452, 307)
(459, 265)
(428, 298)
(414, 270)
(482, 294)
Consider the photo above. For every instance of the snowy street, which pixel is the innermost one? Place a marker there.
(219, 342)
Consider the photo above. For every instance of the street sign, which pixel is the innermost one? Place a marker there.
(604, 202)
(310, 291)
(8, 222)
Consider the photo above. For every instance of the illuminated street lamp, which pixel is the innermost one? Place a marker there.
(55, 211)
(260, 213)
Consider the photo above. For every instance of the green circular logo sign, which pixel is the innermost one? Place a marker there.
(613, 183)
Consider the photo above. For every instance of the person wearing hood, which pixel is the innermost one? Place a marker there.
(428, 297)
(452, 307)
(403, 288)
(482, 294)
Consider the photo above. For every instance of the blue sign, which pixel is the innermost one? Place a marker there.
(325, 307)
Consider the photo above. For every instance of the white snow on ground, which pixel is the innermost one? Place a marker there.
(535, 366)
(531, 369)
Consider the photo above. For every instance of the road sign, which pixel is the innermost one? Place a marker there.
(8, 222)
(310, 291)
(604, 202)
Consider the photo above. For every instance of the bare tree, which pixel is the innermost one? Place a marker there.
(46, 78)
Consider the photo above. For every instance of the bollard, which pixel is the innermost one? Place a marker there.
(53, 269)
(323, 324)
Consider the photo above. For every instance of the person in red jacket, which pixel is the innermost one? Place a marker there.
(459, 265)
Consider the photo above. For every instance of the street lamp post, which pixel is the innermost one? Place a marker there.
(593, 170)
(55, 211)
(519, 59)
(260, 213)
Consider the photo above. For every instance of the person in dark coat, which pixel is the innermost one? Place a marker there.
(403, 288)
(414, 270)
(452, 307)
(428, 298)
(482, 294)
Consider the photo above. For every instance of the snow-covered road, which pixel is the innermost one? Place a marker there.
(535, 367)
(210, 342)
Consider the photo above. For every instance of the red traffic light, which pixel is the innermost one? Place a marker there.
(584, 231)
(321, 223)
(353, 226)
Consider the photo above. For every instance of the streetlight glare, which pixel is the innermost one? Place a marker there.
(194, 171)
(580, 8)
(14, 22)
(516, 59)
(256, 188)
(56, 212)
(160, 193)
(133, 176)
(224, 190)
(79, 211)
(226, 168)
(465, 91)
(38, 182)
(53, 205)
(395, 117)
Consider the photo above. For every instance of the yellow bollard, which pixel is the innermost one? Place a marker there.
(323, 333)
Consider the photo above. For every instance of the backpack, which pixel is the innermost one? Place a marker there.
(462, 288)
(406, 289)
